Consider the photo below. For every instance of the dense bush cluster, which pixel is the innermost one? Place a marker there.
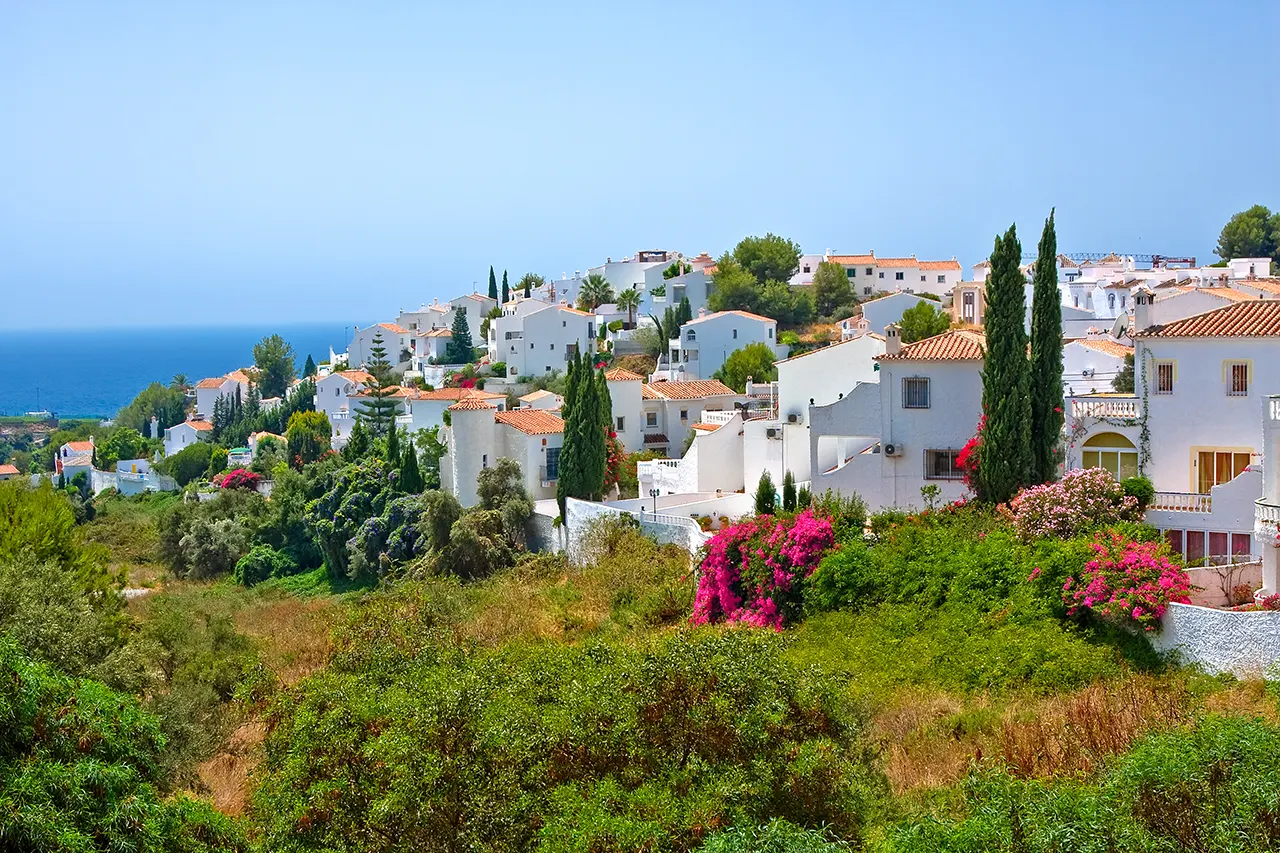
(1131, 582)
(1083, 499)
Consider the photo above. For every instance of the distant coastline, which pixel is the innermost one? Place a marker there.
(91, 373)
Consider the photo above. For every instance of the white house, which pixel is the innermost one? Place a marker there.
(425, 409)
(180, 436)
(627, 398)
(475, 307)
(1090, 365)
(807, 269)
(333, 397)
(209, 390)
(74, 457)
(396, 340)
(479, 435)
(431, 347)
(534, 338)
(426, 317)
(543, 399)
(671, 408)
(885, 311)
(869, 275)
(707, 341)
(712, 463)
(886, 440)
(8, 472)
(1193, 425)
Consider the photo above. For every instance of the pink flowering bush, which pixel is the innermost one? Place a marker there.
(1082, 500)
(1126, 581)
(238, 478)
(753, 571)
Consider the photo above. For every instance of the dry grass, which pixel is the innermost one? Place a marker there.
(294, 636)
(226, 777)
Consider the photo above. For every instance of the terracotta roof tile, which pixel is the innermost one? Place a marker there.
(457, 394)
(437, 333)
(354, 375)
(537, 395)
(1230, 293)
(211, 382)
(531, 421)
(8, 471)
(647, 393)
(656, 438)
(79, 446)
(854, 260)
(1106, 346)
(394, 327)
(701, 427)
(621, 374)
(200, 426)
(952, 345)
(691, 390)
(1266, 285)
(239, 376)
(952, 264)
(471, 404)
(1258, 318)
(897, 262)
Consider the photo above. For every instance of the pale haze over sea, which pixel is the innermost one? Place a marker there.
(82, 372)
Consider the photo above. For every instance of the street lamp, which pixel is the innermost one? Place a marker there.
(653, 493)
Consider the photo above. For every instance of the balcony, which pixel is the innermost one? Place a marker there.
(1100, 406)
(1265, 512)
(1181, 502)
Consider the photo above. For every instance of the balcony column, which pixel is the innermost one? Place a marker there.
(1266, 520)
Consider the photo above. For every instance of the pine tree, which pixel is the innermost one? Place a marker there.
(493, 285)
(1046, 359)
(380, 408)
(357, 446)
(309, 369)
(1005, 462)
(506, 290)
(411, 482)
(239, 406)
(766, 497)
(460, 349)
(788, 492)
(684, 312)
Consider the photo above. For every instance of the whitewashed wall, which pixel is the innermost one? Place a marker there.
(1244, 644)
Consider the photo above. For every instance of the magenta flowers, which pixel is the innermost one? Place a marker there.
(1083, 499)
(753, 571)
(238, 478)
(1130, 582)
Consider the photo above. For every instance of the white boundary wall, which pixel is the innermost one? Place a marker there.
(1242, 643)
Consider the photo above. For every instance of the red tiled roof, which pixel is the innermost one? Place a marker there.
(394, 327)
(854, 260)
(212, 382)
(1266, 285)
(437, 333)
(691, 390)
(354, 375)
(79, 446)
(621, 374)
(200, 426)
(471, 404)
(746, 314)
(1257, 318)
(897, 262)
(8, 470)
(457, 394)
(239, 376)
(1230, 293)
(952, 345)
(1107, 346)
(575, 311)
(656, 438)
(706, 427)
(531, 421)
(952, 264)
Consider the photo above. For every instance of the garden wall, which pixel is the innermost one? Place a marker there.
(1243, 643)
(665, 529)
(1212, 579)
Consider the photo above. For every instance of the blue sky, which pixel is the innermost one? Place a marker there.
(201, 163)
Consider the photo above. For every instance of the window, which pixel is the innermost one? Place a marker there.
(869, 272)
(484, 461)
(553, 463)
(1215, 467)
(1237, 375)
(684, 414)
(866, 291)
(942, 279)
(621, 423)
(915, 393)
(771, 332)
(530, 344)
(882, 275)
(564, 323)
(897, 276)
(850, 272)
(922, 278)
(735, 334)
(1111, 452)
(1195, 546)
(551, 346)
(941, 465)
(806, 267)
(650, 419)
(1164, 377)
(691, 335)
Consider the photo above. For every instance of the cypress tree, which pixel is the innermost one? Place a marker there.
(528, 288)
(590, 433)
(788, 492)
(1005, 462)
(411, 481)
(766, 497)
(568, 484)
(460, 349)
(1046, 358)
(493, 285)
(506, 291)
(393, 447)
(684, 312)
(381, 408)
(357, 442)
(309, 369)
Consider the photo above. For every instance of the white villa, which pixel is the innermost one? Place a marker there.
(396, 340)
(209, 390)
(183, 435)
(479, 435)
(869, 275)
(1091, 364)
(534, 338)
(670, 409)
(707, 341)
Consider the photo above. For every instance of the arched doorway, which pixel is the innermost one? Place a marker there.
(1111, 452)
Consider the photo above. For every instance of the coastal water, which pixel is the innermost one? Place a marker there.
(84, 372)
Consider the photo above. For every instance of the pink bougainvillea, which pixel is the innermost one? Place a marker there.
(970, 455)
(753, 570)
(1082, 500)
(1130, 582)
(238, 478)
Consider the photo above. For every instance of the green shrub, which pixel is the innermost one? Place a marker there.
(1141, 489)
(848, 513)
(776, 837)
(188, 464)
(263, 562)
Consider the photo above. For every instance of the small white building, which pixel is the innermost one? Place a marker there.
(543, 399)
(475, 307)
(426, 317)
(672, 408)
(181, 436)
(333, 393)
(707, 341)
(209, 390)
(431, 347)
(885, 311)
(534, 338)
(888, 439)
(1090, 365)
(479, 435)
(8, 472)
(869, 275)
(425, 409)
(627, 399)
(396, 340)
(74, 457)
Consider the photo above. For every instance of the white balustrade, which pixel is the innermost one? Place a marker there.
(1181, 502)
(1265, 512)
(1104, 407)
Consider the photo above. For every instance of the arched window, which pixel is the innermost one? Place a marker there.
(1111, 301)
(1112, 452)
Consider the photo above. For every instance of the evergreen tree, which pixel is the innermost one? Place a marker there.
(393, 447)
(788, 492)
(238, 412)
(379, 408)
(309, 369)
(766, 497)
(493, 285)
(1005, 461)
(568, 483)
(1046, 358)
(253, 403)
(460, 349)
(411, 482)
(506, 290)
(684, 312)
(357, 446)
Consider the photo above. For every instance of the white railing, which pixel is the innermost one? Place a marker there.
(718, 417)
(1267, 513)
(1104, 407)
(129, 475)
(1181, 502)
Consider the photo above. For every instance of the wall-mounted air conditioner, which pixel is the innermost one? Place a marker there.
(893, 449)
(793, 419)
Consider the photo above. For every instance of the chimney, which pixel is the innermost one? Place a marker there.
(1143, 299)
(892, 339)
(702, 312)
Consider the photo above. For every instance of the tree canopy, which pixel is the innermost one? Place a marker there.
(529, 281)
(1252, 233)
(274, 358)
(923, 320)
(831, 288)
(460, 349)
(754, 360)
(167, 404)
(768, 258)
(379, 407)
(595, 291)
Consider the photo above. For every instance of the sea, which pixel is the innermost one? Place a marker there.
(93, 373)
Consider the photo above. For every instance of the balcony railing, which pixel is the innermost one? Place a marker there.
(1267, 513)
(718, 417)
(1181, 502)
(1105, 407)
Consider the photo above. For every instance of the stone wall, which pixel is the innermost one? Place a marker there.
(1242, 643)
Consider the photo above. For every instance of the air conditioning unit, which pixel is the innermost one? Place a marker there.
(793, 419)
(893, 449)
(771, 433)
(1088, 371)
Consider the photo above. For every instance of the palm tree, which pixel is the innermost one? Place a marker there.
(596, 291)
(179, 382)
(629, 301)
